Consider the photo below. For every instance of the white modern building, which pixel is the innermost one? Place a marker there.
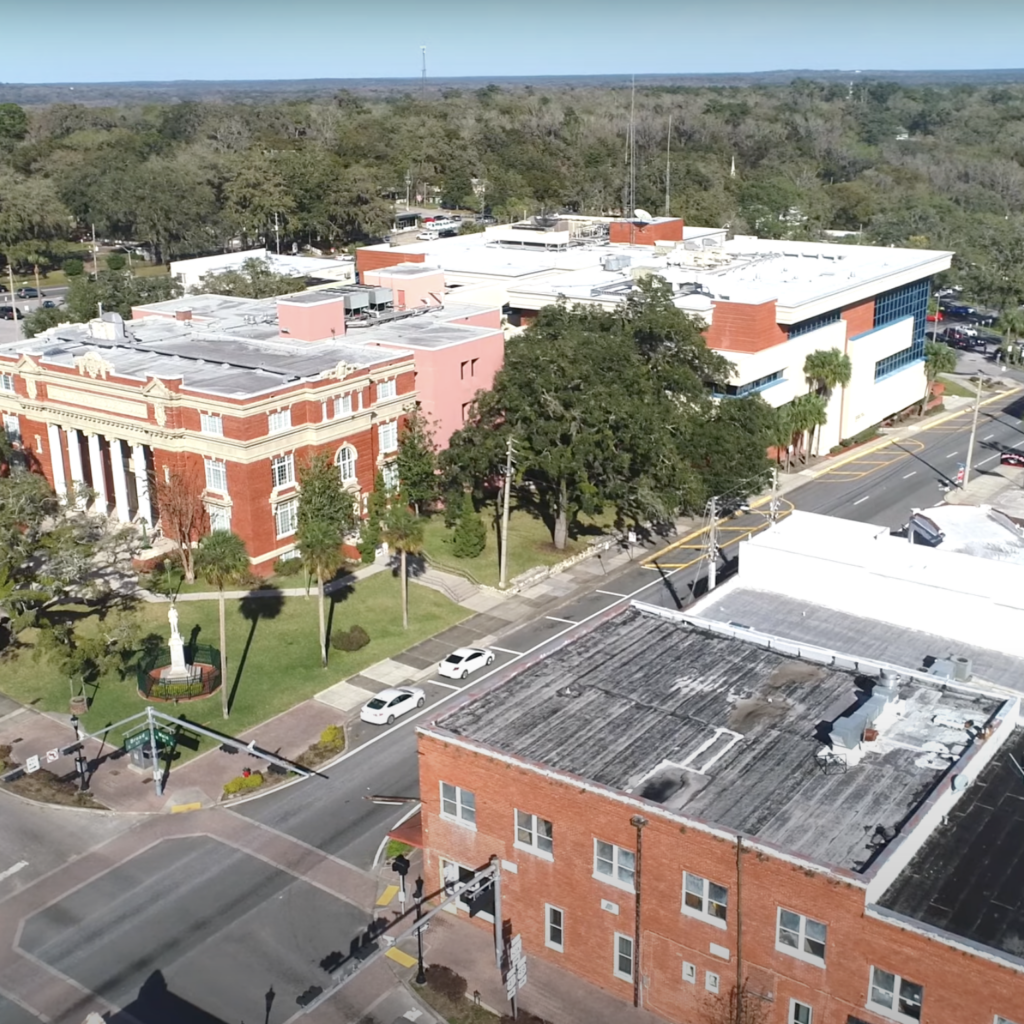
(315, 268)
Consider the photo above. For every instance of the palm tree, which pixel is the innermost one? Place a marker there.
(222, 560)
(780, 433)
(403, 532)
(808, 413)
(824, 370)
(320, 544)
(938, 358)
(1012, 323)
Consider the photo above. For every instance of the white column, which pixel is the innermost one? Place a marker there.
(120, 481)
(60, 483)
(142, 483)
(99, 478)
(75, 462)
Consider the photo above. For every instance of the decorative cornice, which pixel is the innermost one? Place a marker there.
(94, 365)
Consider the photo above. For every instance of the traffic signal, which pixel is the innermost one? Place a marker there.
(400, 865)
(480, 899)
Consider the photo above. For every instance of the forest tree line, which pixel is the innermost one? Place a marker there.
(922, 166)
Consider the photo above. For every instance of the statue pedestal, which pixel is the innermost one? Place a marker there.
(177, 669)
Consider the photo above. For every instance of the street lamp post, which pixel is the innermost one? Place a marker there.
(80, 759)
(421, 974)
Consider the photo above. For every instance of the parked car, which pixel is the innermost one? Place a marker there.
(984, 319)
(958, 310)
(935, 317)
(427, 236)
(11, 313)
(392, 703)
(30, 293)
(50, 304)
(460, 663)
(1011, 459)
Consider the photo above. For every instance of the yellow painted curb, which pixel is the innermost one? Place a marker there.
(387, 895)
(394, 953)
(181, 808)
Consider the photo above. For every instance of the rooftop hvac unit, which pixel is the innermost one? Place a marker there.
(615, 261)
(380, 296)
(961, 668)
(357, 299)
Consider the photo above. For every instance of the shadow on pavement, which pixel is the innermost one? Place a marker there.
(157, 1004)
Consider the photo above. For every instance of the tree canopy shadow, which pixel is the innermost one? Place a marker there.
(257, 605)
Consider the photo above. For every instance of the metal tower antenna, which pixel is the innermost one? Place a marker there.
(668, 163)
(423, 79)
(632, 158)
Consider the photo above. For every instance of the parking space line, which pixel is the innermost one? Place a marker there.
(13, 869)
(907, 476)
(952, 455)
(609, 593)
(859, 500)
(555, 618)
(447, 686)
(988, 437)
(505, 650)
(989, 459)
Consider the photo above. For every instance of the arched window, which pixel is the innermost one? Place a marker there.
(345, 460)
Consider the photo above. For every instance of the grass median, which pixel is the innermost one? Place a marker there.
(272, 649)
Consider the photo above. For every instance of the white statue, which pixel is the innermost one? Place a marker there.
(172, 617)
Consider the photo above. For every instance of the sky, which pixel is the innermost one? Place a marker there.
(142, 40)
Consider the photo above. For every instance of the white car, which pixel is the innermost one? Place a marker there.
(460, 663)
(389, 704)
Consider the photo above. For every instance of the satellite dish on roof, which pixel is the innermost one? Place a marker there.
(642, 215)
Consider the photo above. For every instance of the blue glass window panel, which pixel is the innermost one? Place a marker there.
(813, 323)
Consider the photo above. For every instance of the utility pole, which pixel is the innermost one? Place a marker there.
(14, 304)
(668, 163)
(713, 545)
(95, 254)
(773, 508)
(974, 431)
(154, 752)
(277, 234)
(423, 74)
(506, 497)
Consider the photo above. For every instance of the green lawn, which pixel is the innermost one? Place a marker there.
(529, 545)
(954, 387)
(274, 656)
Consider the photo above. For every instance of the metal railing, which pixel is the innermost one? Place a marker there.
(202, 663)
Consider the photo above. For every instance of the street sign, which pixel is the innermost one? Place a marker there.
(515, 973)
(164, 738)
(32, 764)
(960, 471)
(53, 755)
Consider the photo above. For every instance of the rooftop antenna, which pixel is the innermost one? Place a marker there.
(668, 162)
(423, 78)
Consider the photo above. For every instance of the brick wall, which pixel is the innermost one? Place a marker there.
(959, 989)
(375, 259)
(859, 317)
(628, 232)
(742, 327)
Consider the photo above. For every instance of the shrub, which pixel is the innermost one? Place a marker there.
(469, 537)
(165, 581)
(116, 261)
(332, 736)
(444, 981)
(353, 639)
(173, 691)
(242, 783)
(74, 268)
(287, 566)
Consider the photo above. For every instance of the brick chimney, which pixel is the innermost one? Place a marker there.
(183, 314)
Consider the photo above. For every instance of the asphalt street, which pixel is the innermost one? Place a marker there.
(216, 926)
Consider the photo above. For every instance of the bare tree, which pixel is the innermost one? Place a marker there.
(741, 1006)
(183, 515)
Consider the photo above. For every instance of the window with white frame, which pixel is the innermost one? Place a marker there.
(712, 982)
(391, 478)
(623, 957)
(211, 424)
(386, 389)
(704, 899)
(343, 405)
(388, 434)
(799, 1013)
(6, 381)
(894, 997)
(280, 420)
(554, 928)
(216, 476)
(345, 460)
(801, 937)
(614, 864)
(286, 517)
(12, 428)
(282, 470)
(458, 804)
(689, 972)
(220, 517)
(534, 833)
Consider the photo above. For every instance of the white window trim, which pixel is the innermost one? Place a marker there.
(393, 383)
(391, 425)
(703, 915)
(798, 954)
(339, 405)
(286, 413)
(207, 463)
(207, 417)
(793, 1004)
(294, 529)
(355, 462)
(884, 1011)
(615, 956)
(216, 506)
(689, 973)
(291, 471)
(457, 818)
(558, 947)
(7, 382)
(527, 847)
(613, 878)
(712, 982)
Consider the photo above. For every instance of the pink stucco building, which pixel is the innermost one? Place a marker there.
(414, 285)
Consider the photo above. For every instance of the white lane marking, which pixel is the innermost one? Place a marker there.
(989, 459)
(907, 476)
(447, 686)
(859, 500)
(1016, 444)
(988, 437)
(609, 593)
(505, 650)
(952, 455)
(555, 618)
(13, 869)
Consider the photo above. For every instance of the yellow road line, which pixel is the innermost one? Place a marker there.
(181, 808)
(387, 895)
(400, 957)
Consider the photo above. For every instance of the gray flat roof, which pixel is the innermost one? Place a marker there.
(722, 730)
(865, 637)
(966, 879)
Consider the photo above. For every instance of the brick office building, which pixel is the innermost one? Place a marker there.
(684, 807)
